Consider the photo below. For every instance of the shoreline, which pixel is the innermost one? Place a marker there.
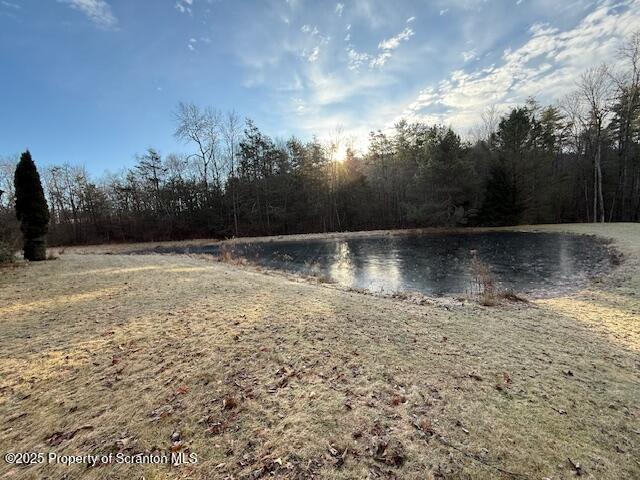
(414, 296)
(572, 228)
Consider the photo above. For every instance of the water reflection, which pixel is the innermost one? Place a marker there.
(436, 264)
(342, 269)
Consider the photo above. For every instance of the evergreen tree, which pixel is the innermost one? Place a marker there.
(31, 208)
(501, 206)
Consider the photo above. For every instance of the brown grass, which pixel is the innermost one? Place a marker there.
(261, 376)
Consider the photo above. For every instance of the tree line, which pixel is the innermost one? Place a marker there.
(575, 161)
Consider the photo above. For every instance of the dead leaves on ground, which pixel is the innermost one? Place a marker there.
(229, 403)
(56, 438)
(398, 400)
(183, 389)
(388, 451)
(424, 426)
(335, 456)
(283, 374)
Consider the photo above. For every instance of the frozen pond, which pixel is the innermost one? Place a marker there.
(433, 263)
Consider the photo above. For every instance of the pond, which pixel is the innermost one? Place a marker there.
(537, 264)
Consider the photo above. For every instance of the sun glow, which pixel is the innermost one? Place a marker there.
(340, 154)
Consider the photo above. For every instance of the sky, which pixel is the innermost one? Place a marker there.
(95, 82)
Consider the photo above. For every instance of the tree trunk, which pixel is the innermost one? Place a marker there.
(35, 249)
(599, 172)
(595, 190)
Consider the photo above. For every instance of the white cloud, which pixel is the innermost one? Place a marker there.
(311, 55)
(343, 83)
(357, 59)
(98, 11)
(311, 30)
(339, 9)
(545, 66)
(184, 6)
(469, 55)
(13, 6)
(380, 59)
(443, 11)
(410, 19)
(394, 42)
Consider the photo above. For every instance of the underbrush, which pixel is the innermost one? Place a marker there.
(484, 288)
(7, 253)
(227, 255)
(482, 284)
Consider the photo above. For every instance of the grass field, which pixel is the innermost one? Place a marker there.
(261, 375)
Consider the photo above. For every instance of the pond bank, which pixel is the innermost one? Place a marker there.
(259, 374)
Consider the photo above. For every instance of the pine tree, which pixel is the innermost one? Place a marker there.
(31, 208)
(500, 205)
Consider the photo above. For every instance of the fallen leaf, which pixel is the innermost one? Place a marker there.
(182, 390)
(229, 403)
(424, 426)
(57, 438)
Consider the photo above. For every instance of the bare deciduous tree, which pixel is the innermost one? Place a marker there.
(596, 90)
(231, 130)
(202, 128)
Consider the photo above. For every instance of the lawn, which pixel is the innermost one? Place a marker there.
(260, 374)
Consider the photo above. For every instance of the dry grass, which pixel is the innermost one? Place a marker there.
(263, 376)
(482, 284)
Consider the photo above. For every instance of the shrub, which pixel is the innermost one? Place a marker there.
(482, 286)
(6, 252)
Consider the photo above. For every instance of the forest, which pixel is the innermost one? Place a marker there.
(577, 160)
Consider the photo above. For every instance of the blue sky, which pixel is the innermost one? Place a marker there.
(93, 82)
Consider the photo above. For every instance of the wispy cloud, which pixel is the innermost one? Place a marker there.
(357, 59)
(9, 9)
(364, 80)
(339, 9)
(394, 42)
(312, 53)
(469, 55)
(311, 30)
(545, 66)
(13, 6)
(184, 6)
(98, 11)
